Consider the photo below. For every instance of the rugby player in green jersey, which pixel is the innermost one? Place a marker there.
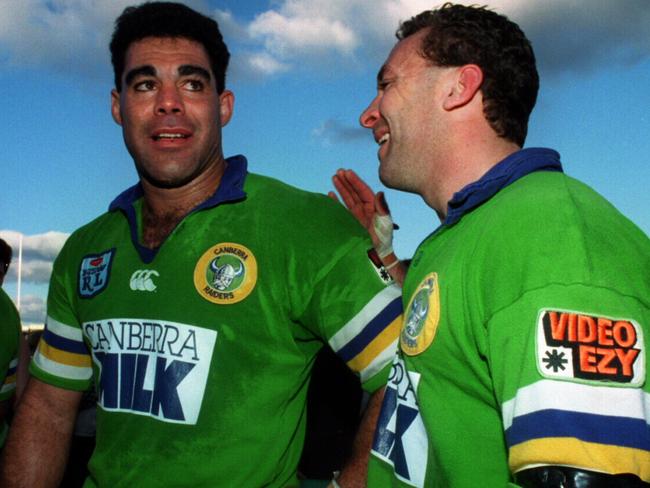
(523, 357)
(9, 344)
(196, 305)
(9, 349)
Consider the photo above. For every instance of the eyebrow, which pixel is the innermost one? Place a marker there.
(183, 70)
(190, 69)
(146, 70)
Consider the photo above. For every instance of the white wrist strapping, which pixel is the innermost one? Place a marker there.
(383, 225)
(392, 265)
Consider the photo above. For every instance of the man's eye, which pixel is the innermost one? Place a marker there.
(194, 85)
(383, 84)
(146, 85)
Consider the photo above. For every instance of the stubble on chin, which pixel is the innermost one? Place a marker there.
(165, 182)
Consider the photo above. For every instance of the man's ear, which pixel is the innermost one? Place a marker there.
(226, 106)
(467, 82)
(115, 107)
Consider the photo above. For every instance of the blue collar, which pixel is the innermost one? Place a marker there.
(504, 173)
(231, 188)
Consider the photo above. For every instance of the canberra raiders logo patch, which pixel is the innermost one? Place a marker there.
(422, 317)
(226, 273)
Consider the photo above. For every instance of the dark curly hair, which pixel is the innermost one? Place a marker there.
(168, 19)
(460, 35)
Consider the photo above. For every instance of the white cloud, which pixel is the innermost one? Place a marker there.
(39, 252)
(32, 310)
(64, 35)
(334, 131)
(567, 35)
(72, 35)
(289, 36)
(265, 64)
(231, 29)
(583, 35)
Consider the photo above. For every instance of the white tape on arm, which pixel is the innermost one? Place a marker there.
(383, 225)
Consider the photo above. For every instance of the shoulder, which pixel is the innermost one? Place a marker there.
(5, 302)
(299, 207)
(544, 192)
(8, 311)
(550, 203)
(98, 230)
(548, 227)
(257, 185)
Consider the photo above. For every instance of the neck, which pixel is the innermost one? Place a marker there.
(467, 163)
(165, 208)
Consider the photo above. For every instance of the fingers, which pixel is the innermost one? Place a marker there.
(353, 186)
(333, 196)
(360, 187)
(346, 192)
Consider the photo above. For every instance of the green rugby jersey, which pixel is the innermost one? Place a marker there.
(201, 352)
(524, 343)
(9, 340)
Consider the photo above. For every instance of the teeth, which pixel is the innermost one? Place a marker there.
(384, 138)
(170, 136)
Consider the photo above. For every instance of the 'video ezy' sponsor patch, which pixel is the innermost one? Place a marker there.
(582, 346)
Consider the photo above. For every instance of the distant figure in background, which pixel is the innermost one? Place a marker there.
(9, 344)
(198, 302)
(5, 259)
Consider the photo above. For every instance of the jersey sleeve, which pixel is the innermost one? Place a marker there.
(9, 356)
(569, 366)
(62, 358)
(358, 314)
(8, 387)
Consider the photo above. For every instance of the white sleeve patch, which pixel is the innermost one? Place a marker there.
(578, 346)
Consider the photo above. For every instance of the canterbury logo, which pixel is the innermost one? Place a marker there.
(142, 280)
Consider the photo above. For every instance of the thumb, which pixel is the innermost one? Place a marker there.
(381, 206)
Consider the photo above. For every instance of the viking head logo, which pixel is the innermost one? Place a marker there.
(224, 275)
(417, 314)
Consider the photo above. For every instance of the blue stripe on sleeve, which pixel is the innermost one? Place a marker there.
(601, 429)
(372, 330)
(63, 343)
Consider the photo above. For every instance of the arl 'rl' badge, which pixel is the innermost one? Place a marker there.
(580, 346)
(94, 272)
(226, 273)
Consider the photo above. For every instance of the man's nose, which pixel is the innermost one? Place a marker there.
(169, 101)
(370, 115)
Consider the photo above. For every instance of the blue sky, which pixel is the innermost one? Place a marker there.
(302, 71)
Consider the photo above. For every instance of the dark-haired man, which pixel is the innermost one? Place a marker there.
(5, 259)
(523, 356)
(198, 302)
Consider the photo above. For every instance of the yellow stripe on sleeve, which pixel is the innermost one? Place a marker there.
(64, 357)
(10, 379)
(376, 346)
(569, 451)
